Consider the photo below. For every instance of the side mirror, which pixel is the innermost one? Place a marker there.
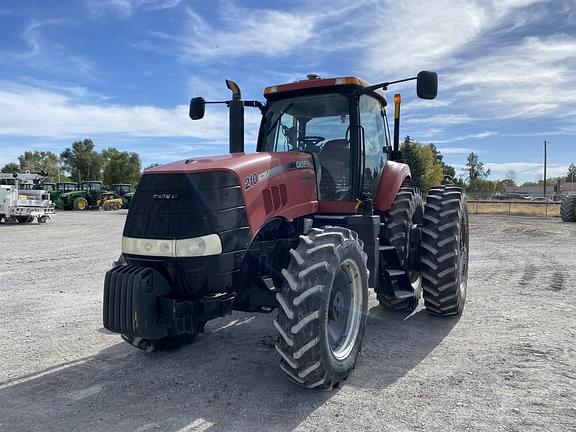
(427, 85)
(197, 108)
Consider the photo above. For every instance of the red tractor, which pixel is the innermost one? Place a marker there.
(320, 213)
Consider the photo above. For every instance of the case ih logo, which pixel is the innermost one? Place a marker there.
(165, 196)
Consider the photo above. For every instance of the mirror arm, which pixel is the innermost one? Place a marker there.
(384, 85)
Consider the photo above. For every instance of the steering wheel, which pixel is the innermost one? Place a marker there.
(310, 143)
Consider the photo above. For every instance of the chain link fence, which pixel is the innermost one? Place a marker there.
(514, 204)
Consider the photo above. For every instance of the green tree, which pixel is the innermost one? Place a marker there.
(152, 165)
(120, 167)
(11, 167)
(425, 163)
(475, 169)
(82, 161)
(571, 176)
(35, 161)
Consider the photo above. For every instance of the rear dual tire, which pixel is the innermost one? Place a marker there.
(444, 251)
(568, 208)
(323, 307)
(406, 210)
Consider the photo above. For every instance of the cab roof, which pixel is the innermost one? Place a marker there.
(314, 82)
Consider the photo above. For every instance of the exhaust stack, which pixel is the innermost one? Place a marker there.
(236, 118)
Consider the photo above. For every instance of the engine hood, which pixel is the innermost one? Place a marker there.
(241, 164)
(268, 184)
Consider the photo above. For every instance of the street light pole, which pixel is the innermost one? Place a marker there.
(545, 156)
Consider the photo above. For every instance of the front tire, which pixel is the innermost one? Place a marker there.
(444, 251)
(568, 208)
(80, 204)
(323, 308)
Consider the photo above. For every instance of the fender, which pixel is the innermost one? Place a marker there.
(394, 174)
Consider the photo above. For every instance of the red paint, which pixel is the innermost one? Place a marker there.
(393, 176)
(300, 199)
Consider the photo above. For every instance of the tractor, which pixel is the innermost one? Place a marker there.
(568, 208)
(123, 191)
(85, 197)
(323, 211)
(60, 188)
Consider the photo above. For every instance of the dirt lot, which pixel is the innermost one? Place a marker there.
(509, 363)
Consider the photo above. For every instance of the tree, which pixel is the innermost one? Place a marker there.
(475, 169)
(82, 161)
(152, 165)
(11, 168)
(425, 163)
(35, 161)
(571, 176)
(120, 167)
(511, 177)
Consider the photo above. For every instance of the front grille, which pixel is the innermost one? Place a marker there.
(176, 206)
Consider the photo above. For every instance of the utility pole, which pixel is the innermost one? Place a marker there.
(545, 156)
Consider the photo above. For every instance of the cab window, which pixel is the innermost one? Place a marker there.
(372, 119)
(319, 124)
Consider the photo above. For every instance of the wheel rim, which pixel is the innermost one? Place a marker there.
(463, 258)
(344, 310)
(82, 204)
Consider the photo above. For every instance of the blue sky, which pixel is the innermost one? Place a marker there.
(122, 72)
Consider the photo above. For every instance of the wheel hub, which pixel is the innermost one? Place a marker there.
(344, 310)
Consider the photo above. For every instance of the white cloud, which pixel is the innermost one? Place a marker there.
(455, 150)
(33, 112)
(480, 135)
(126, 8)
(259, 31)
(526, 168)
(429, 35)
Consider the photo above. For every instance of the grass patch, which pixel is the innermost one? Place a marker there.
(514, 208)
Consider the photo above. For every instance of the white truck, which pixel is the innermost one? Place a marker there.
(23, 198)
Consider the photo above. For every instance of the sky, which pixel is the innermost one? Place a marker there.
(122, 72)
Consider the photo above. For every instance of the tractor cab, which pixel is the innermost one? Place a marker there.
(341, 125)
(50, 187)
(66, 186)
(91, 186)
(121, 189)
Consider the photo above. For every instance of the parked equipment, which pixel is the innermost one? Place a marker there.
(61, 188)
(321, 212)
(109, 201)
(124, 191)
(23, 198)
(83, 198)
(568, 208)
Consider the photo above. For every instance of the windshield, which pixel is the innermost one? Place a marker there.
(319, 124)
(305, 122)
(121, 189)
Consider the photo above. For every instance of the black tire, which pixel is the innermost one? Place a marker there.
(444, 251)
(568, 208)
(311, 304)
(406, 210)
(80, 203)
(24, 219)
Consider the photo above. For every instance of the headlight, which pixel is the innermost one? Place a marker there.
(198, 246)
(64, 196)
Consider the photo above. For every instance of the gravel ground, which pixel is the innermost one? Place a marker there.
(508, 364)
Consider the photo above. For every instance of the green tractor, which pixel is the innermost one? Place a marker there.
(124, 191)
(83, 198)
(60, 188)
